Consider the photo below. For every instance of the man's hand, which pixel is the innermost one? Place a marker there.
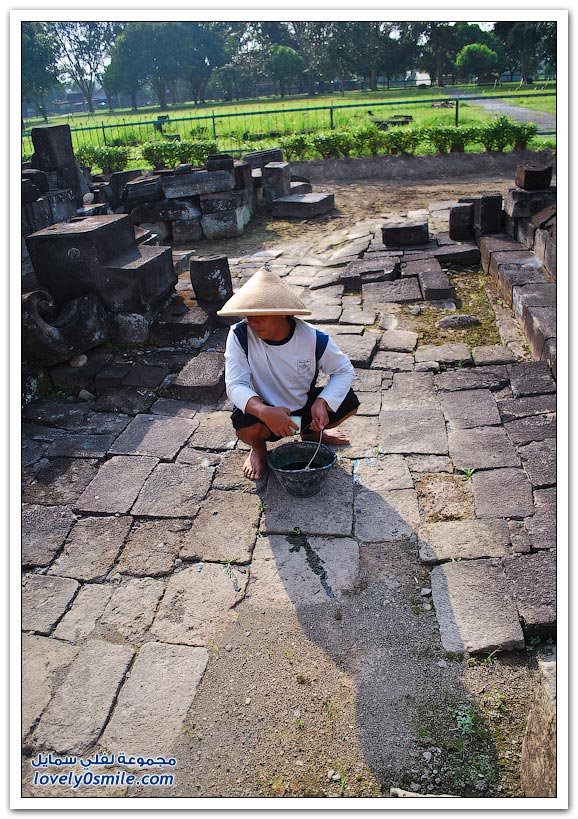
(275, 418)
(319, 416)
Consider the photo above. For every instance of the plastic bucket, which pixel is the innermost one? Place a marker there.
(288, 462)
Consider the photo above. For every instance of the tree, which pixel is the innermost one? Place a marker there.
(311, 38)
(523, 42)
(283, 64)
(437, 47)
(39, 68)
(120, 75)
(83, 49)
(476, 59)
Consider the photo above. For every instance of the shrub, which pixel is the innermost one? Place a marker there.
(402, 140)
(333, 144)
(86, 155)
(496, 134)
(195, 151)
(128, 138)
(368, 139)
(445, 138)
(295, 145)
(161, 154)
(111, 159)
(522, 133)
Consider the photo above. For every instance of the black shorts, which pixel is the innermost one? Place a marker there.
(350, 403)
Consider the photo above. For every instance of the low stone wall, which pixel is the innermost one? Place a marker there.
(420, 168)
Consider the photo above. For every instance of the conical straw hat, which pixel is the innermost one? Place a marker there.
(264, 295)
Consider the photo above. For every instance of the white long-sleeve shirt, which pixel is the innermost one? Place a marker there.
(281, 373)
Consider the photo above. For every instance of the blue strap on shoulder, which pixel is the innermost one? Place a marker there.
(321, 340)
(240, 331)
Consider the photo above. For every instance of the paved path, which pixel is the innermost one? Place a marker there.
(546, 122)
(171, 607)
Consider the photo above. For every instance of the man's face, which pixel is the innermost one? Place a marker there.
(269, 328)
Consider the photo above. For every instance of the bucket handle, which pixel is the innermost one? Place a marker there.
(316, 451)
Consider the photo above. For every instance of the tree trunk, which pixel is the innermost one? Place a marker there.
(440, 69)
(161, 92)
(174, 92)
(133, 100)
(373, 80)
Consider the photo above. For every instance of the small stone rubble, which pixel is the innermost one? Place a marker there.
(142, 540)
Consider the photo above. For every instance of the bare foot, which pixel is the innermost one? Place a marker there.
(255, 464)
(333, 437)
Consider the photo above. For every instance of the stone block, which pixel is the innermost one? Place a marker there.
(130, 610)
(474, 608)
(52, 147)
(35, 216)
(549, 355)
(165, 210)
(144, 188)
(62, 205)
(60, 482)
(388, 292)
(276, 178)
(225, 528)
(44, 600)
(196, 182)
(401, 341)
(538, 764)
(153, 546)
(173, 490)
(300, 187)
(435, 285)
(220, 162)
(532, 580)
(116, 485)
(91, 548)
(118, 182)
(531, 378)
(383, 474)
(539, 326)
(481, 448)
(502, 493)
(202, 379)
(36, 177)
(447, 540)
(136, 280)
(154, 435)
(413, 431)
(258, 159)
(539, 294)
(405, 233)
(526, 233)
(44, 663)
(533, 177)
(214, 433)
(466, 410)
(44, 530)
(393, 361)
(198, 603)
(539, 461)
(460, 254)
(550, 256)
(243, 176)
(80, 620)
(512, 409)
(211, 278)
(359, 349)
(78, 712)
(526, 430)
(223, 201)
(451, 353)
(224, 224)
(385, 517)
(186, 231)
(302, 206)
(81, 445)
(519, 203)
(492, 354)
(496, 244)
(509, 276)
(153, 704)
(419, 266)
(182, 321)
(461, 222)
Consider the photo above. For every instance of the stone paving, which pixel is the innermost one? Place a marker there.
(142, 540)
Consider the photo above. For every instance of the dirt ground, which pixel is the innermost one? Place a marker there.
(277, 712)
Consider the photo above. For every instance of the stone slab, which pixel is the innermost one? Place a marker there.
(393, 361)
(174, 408)
(405, 233)
(44, 661)
(367, 380)
(396, 292)
(502, 493)
(173, 491)
(91, 548)
(117, 484)
(474, 608)
(452, 353)
(156, 436)
(539, 461)
(492, 354)
(202, 379)
(540, 325)
(400, 341)
(410, 390)
(229, 472)
(541, 526)
(359, 349)
(178, 186)
(466, 409)
(445, 497)
(532, 580)
(519, 203)
(61, 481)
(152, 547)
(77, 713)
(413, 431)
(130, 610)
(44, 530)
(490, 378)
(215, 432)
(44, 600)
(463, 540)
(81, 446)
(538, 295)
(198, 603)
(302, 205)
(531, 378)
(513, 409)
(330, 512)
(88, 607)
(225, 529)
(125, 400)
(534, 428)
(426, 464)
(152, 706)
(382, 474)
(385, 517)
(435, 285)
(295, 572)
(481, 448)
(424, 265)
(369, 403)
(466, 253)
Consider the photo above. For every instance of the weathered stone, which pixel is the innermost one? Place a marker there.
(91, 548)
(152, 547)
(211, 278)
(396, 362)
(532, 580)
(177, 186)
(539, 327)
(81, 446)
(358, 316)
(490, 378)
(405, 233)
(424, 464)
(71, 378)
(385, 517)
(539, 461)
(297, 571)
(154, 435)
(413, 431)
(367, 380)
(189, 230)
(521, 543)
(172, 491)
(363, 435)
(225, 528)
(369, 403)
(495, 244)
(44, 661)
(401, 341)
(382, 474)
(481, 448)
(61, 481)
(457, 322)
(125, 400)
(487, 212)
(461, 222)
(44, 530)
(513, 409)
(510, 276)
(202, 379)
(502, 493)
(435, 285)
(88, 607)
(77, 713)
(302, 205)
(53, 152)
(492, 354)
(166, 210)
(117, 484)
(198, 603)
(463, 540)
(213, 433)
(466, 409)
(410, 391)
(537, 295)
(327, 513)
(542, 525)
(531, 378)
(533, 177)
(451, 353)
(474, 609)
(534, 428)
(130, 610)
(258, 159)
(519, 202)
(400, 292)
(154, 702)
(224, 224)
(44, 601)
(460, 254)
(174, 408)
(183, 321)
(276, 178)
(444, 497)
(359, 349)
(538, 763)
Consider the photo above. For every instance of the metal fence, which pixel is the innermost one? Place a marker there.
(236, 131)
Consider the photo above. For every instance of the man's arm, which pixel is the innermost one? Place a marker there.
(275, 418)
